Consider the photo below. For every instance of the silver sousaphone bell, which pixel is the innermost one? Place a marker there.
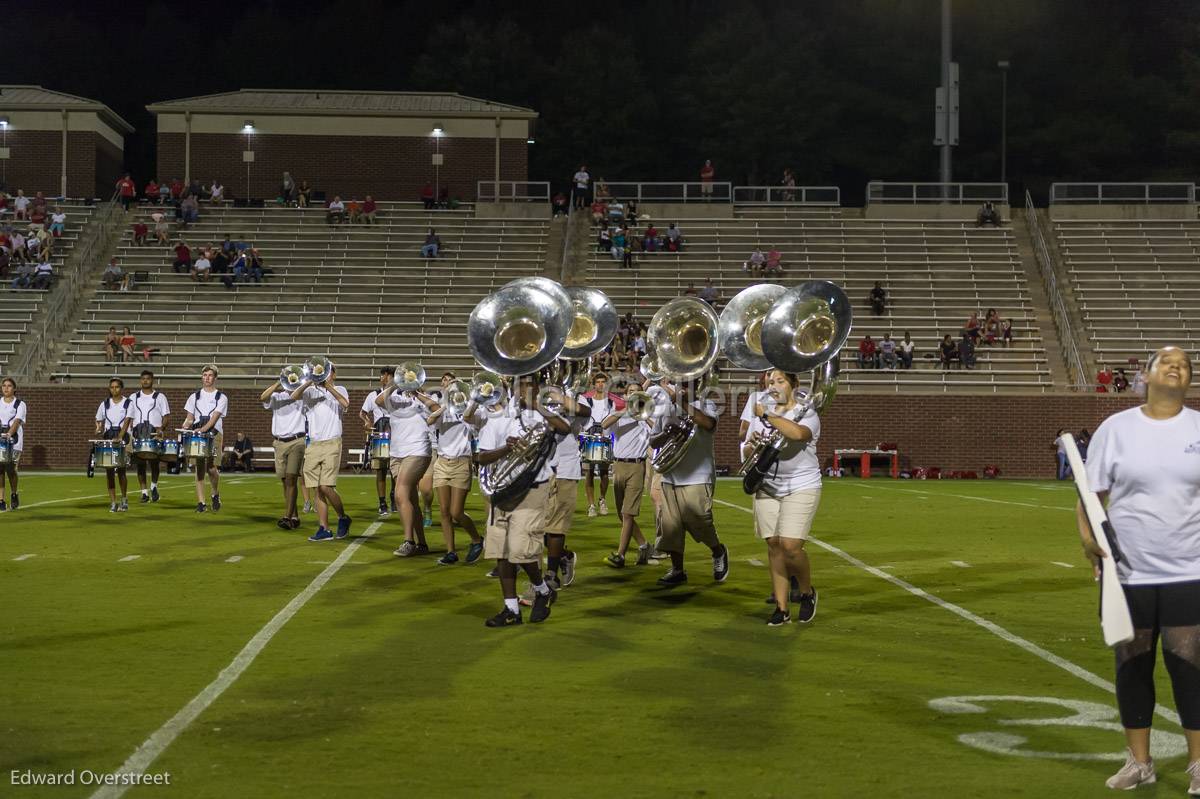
(683, 335)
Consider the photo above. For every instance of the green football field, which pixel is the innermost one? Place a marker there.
(956, 652)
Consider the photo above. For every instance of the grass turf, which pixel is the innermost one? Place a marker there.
(387, 683)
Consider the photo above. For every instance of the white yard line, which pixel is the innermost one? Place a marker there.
(754, 561)
(991, 627)
(978, 499)
(76, 499)
(233, 558)
(962, 564)
(128, 558)
(1064, 565)
(165, 735)
(25, 557)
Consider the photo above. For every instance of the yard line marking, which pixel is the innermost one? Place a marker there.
(962, 564)
(233, 558)
(165, 735)
(990, 626)
(128, 558)
(980, 499)
(25, 557)
(75, 499)
(754, 561)
(1064, 565)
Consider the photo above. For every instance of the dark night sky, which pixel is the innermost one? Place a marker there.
(842, 92)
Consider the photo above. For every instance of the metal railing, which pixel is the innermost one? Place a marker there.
(921, 193)
(663, 192)
(566, 248)
(787, 195)
(69, 284)
(1121, 193)
(519, 191)
(1062, 319)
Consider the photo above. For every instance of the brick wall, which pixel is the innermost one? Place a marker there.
(35, 163)
(953, 432)
(390, 168)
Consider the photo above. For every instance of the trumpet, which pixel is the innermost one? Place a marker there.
(639, 405)
(291, 377)
(684, 336)
(316, 370)
(409, 376)
(487, 389)
(458, 396)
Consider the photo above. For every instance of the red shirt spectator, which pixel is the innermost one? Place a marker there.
(707, 172)
(866, 348)
(140, 230)
(38, 217)
(126, 187)
(427, 192)
(151, 190)
(1105, 378)
(183, 252)
(369, 205)
(176, 188)
(39, 201)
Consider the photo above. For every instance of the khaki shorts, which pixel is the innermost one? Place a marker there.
(453, 472)
(686, 509)
(560, 509)
(16, 459)
(516, 535)
(629, 483)
(410, 465)
(289, 457)
(322, 461)
(789, 516)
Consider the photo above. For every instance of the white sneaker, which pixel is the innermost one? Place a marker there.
(591, 510)
(603, 507)
(308, 508)
(1193, 771)
(1132, 774)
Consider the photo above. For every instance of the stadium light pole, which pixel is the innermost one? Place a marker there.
(1003, 66)
(946, 170)
(248, 156)
(438, 133)
(4, 147)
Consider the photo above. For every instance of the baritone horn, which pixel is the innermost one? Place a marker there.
(291, 377)
(316, 370)
(409, 376)
(683, 334)
(639, 405)
(487, 388)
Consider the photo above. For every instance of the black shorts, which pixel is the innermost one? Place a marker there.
(1153, 607)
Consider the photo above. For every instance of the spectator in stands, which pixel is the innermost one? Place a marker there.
(161, 231)
(24, 276)
(1104, 379)
(579, 193)
(354, 211)
(604, 240)
(650, 239)
(991, 326)
(58, 222)
(37, 216)
(369, 210)
(21, 205)
(428, 196)
(1006, 332)
(707, 173)
(164, 193)
(216, 192)
(559, 205)
(444, 198)
(887, 351)
(618, 245)
(788, 182)
(868, 353)
(966, 351)
(39, 201)
(615, 212)
(972, 326)
(433, 244)
(287, 189)
(202, 268)
(151, 191)
(754, 265)
(1139, 382)
(949, 352)
(303, 194)
(190, 209)
(140, 233)
(1120, 382)
(126, 190)
(176, 189)
(43, 275)
(690, 291)
(598, 212)
(602, 190)
(5, 260)
(674, 238)
(220, 258)
(112, 345)
(905, 350)
(113, 275)
(257, 270)
(988, 215)
(709, 293)
(183, 257)
(242, 455)
(774, 264)
(878, 299)
(194, 189)
(335, 211)
(128, 341)
(16, 243)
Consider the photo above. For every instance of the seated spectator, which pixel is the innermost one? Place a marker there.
(991, 327)
(194, 189)
(303, 193)
(868, 353)
(428, 197)
(335, 212)
(113, 275)
(949, 352)
(24, 276)
(161, 230)
(369, 209)
(754, 264)
(189, 210)
(164, 193)
(242, 455)
(1006, 333)
(221, 259)
(183, 258)
(887, 351)
(216, 192)
(690, 291)
(287, 189)
(615, 211)
(618, 245)
(112, 344)
(140, 233)
(966, 351)
(631, 213)
(650, 239)
(905, 350)
(1104, 379)
(21, 205)
(39, 201)
(151, 191)
(127, 343)
(674, 238)
(5, 261)
(1120, 381)
(44, 274)
(176, 189)
(58, 222)
(433, 243)
(37, 217)
(444, 200)
(558, 204)
(354, 211)
(202, 268)
(988, 215)
(604, 240)
(601, 191)
(972, 327)
(774, 265)
(598, 211)
(709, 293)
(257, 270)
(878, 299)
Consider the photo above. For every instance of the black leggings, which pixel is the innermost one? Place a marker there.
(1172, 611)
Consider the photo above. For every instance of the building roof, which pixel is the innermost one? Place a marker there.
(342, 103)
(35, 98)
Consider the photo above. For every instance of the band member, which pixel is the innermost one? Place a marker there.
(13, 413)
(786, 502)
(288, 428)
(323, 406)
(113, 418)
(425, 486)
(514, 533)
(452, 475)
(493, 434)
(150, 412)
(206, 410)
(1145, 461)
(567, 469)
(759, 396)
(631, 444)
(410, 456)
(687, 489)
(662, 393)
(602, 403)
(374, 419)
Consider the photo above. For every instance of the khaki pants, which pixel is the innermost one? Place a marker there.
(289, 457)
(560, 509)
(516, 535)
(686, 509)
(629, 483)
(322, 460)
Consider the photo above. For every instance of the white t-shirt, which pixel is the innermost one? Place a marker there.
(323, 412)
(454, 433)
(601, 408)
(762, 398)
(410, 433)
(58, 219)
(581, 179)
(565, 458)
(632, 438)
(906, 346)
(696, 468)
(210, 402)
(149, 408)
(17, 409)
(202, 264)
(518, 423)
(1151, 469)
(337, 205)
(287, 415)
(798, 468)
(112, 413)
(21, 203)
(369, 407)
(494, 431)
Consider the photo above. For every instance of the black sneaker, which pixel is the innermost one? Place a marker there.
(474, 551)
(154, 493)
(449, 559)
(16, 502)
(541, 606)
(495, 572)
(3, 506)
(555, 586)
(505, 618)
(200, 507)
(643, 557)
(673, 578)
(779, 618)
(145, 496)
(568, 568)
(808, 607)
(616, 561)
(284, 523)
(721, 564)
(216, 502)
(422, 549)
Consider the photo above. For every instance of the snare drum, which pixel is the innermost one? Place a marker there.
(110, 454)
(147, 449)
(379, 448)
(169, 450)
(596, 447)
(198, 446)
(7, 453)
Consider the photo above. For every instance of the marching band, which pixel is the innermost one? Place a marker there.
(13, 413)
